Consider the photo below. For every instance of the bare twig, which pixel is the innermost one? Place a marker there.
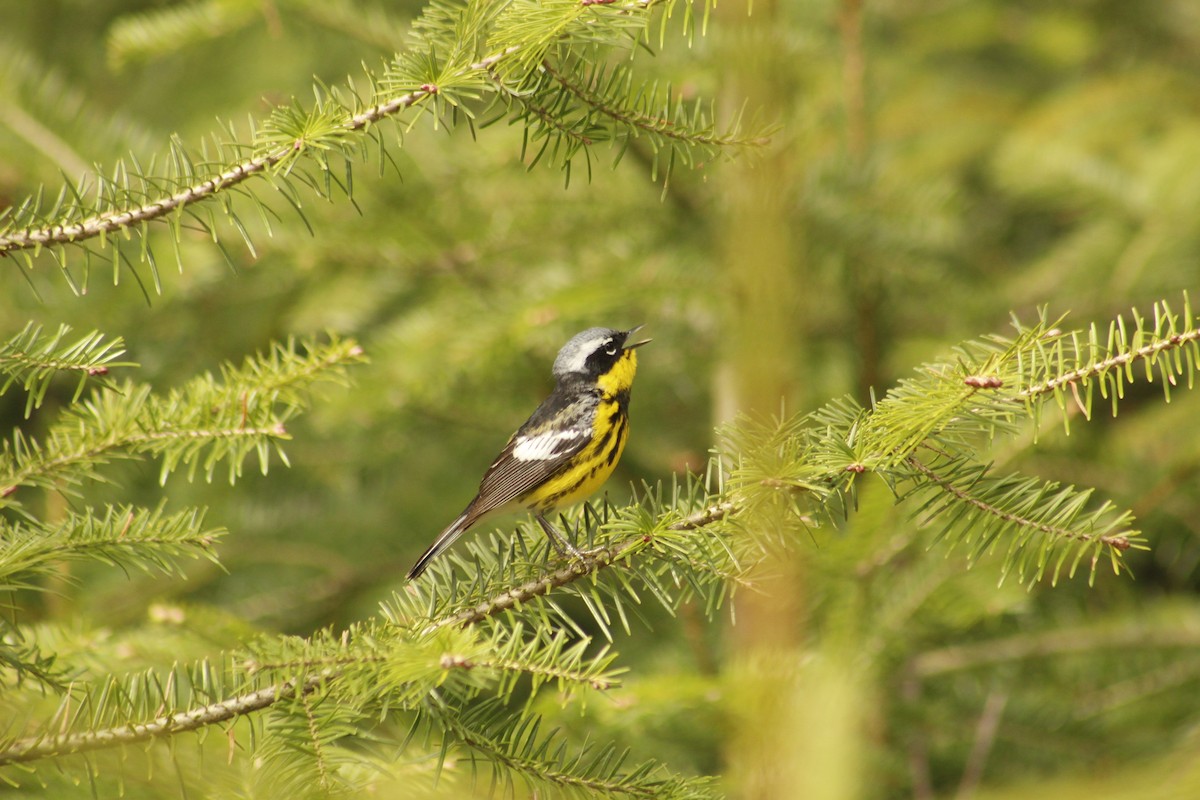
(1051, 643)
(981, 747)
(917, 744)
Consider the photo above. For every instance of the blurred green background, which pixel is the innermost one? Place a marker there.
(938, 166)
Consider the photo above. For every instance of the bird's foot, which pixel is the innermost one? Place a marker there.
(560, 542)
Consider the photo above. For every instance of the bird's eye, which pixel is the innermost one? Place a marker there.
(611, 350)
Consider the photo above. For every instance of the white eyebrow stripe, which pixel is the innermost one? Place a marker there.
(545, 446)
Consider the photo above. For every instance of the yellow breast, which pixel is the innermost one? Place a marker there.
(620, 377)
(595, 463)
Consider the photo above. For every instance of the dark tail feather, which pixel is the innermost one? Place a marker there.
(444, 540)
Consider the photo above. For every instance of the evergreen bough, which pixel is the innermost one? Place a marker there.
(538, 64)
(455, 666)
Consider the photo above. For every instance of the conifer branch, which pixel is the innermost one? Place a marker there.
(76, 454)
(636, 119)
(542, 672)
(203, 423)
(947, 408)
(497, 752)
(33, 358)
(1098, 368)
(519, 747)
(26, 659)
(1118, 542)
(554, 121)
(123, 535)
(593, 561)
(316, 740)
(442, 67)
(120, 219)
(332, 669)
(332, 664)
(39, 747)
(707, 516)
(384, 110)
(30, 352)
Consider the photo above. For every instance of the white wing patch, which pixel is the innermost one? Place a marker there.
(545, 446)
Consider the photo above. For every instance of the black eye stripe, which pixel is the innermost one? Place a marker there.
(604, 353)
(606, 347)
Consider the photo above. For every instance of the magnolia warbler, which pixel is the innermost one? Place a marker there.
(569, 446)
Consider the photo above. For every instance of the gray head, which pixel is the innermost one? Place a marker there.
(592, 352)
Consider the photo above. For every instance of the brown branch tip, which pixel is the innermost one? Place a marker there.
(983, 381)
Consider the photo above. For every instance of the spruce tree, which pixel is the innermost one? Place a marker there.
(952, 601)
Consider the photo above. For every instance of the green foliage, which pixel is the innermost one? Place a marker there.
(674, 566)
(527, 55)
(122, 537)
(56, 119)
(197, 427)
(565, 114)
(543, 762)
(203, 424)
(144, 37)
(925, 438)
(464, 655)
(32, 359)
(153, 34)
(935, 168)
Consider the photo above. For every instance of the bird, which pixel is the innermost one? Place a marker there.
(567, 448)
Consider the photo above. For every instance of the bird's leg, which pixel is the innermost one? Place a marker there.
(560, 542)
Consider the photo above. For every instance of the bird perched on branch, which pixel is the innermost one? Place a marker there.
(567, 448)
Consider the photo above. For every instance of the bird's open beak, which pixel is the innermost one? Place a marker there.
(631, 332)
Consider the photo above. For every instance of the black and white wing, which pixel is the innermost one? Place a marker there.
(556, 433)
